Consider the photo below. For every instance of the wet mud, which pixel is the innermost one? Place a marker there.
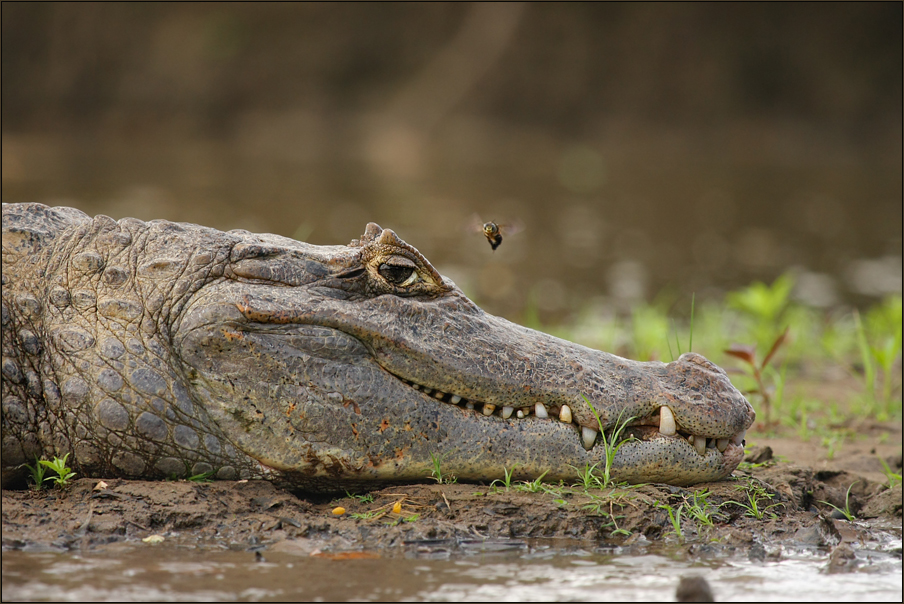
(769, 503)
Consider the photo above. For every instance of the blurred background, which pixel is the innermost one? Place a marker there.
(644, 148)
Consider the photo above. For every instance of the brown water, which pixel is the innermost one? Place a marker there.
(608, 220)
(497, 571)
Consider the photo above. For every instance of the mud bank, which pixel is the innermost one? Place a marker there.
(769, 502)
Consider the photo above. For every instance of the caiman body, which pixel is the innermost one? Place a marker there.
(155, 349)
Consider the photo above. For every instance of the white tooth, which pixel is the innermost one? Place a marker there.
(540, 411)
(488, 409)
(722, 444)
(507, 412)
(738, 438)
(416, 386)
(565, 414)
(469, 405)
(588, 437)
(667, 421)
(455, 399)
(700, 445)
(428, 390)
(690, 439)
(520, 414)
(438, 394)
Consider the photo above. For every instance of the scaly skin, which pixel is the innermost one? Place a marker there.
(159, 350)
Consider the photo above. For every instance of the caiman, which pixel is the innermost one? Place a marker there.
(157, 349)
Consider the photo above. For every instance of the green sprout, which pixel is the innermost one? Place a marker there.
(63, 473)
(756, 496)
(368, 498)
(700, 509)
(610, 444)
(893, 477)
(846, 512)
(674, 517)
(437, 474)
(507, 481)
(36, 473)
(202, 477)
(536, 486)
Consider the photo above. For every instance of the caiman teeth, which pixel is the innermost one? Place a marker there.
(667, 424)
(565, 414)
(699, 443)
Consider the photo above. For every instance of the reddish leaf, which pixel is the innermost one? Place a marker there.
(743, 352)
(775, 346)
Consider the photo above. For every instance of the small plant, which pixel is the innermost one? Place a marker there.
(611, 445)
(36, 473)
(879, 343)
(893, 477)
(757, 495)
(533, 486)
(587, 477)
(506, 483)
(364, 515)
(437, 474)
(748, 355)
(765, 304)
(368, 498)
(700, 509)
(202, 477)
(603, 506)
(832, 442)
(674, 517)
(847, 504)
(63, 473)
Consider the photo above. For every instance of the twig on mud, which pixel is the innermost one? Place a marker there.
(84, 525)
(133, 523)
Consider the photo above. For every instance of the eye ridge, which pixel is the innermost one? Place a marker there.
(394, 273)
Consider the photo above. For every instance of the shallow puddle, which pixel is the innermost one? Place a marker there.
(434, 571)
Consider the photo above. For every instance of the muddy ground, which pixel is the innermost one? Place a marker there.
(787, 478)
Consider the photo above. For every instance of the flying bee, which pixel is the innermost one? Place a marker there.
(493, 231)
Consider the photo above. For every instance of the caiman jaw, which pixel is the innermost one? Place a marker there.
(663, 418)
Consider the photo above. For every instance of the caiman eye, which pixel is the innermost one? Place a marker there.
(398, 275)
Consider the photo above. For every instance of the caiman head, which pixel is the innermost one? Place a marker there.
(344, 365)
